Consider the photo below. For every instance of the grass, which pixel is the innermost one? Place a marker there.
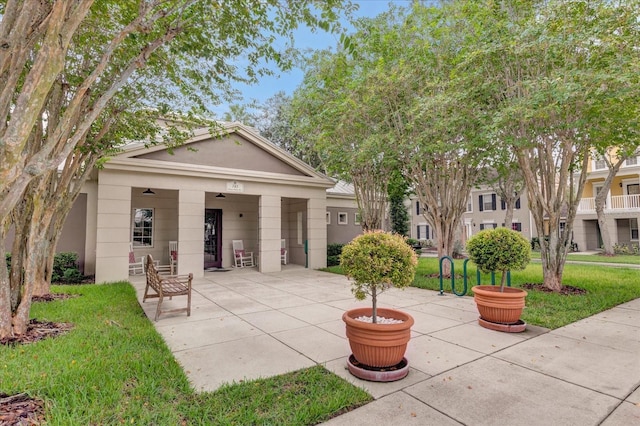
(114, 368)
(606, 287)
(618, 258)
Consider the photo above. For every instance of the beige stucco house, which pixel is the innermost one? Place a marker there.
(205, 194)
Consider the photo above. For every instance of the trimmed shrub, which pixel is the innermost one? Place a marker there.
(499, 249)
(376, 261)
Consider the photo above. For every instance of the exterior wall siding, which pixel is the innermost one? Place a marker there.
(342, 233)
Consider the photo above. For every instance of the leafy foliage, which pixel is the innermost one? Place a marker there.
(65, 268)
(333, 254)
(632, 249)
(499, 249)
(376, 261)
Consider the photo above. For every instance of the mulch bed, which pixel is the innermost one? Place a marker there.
(52, 297)
(566, 290)
(37, 330)
(20, 410)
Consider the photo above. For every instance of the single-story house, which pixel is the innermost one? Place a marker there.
(205, 194)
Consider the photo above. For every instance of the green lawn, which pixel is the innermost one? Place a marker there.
(114, 368)
(618, 258)
(606, 287)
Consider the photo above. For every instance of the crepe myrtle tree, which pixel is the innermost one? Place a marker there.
(561, 78)
(376, 261)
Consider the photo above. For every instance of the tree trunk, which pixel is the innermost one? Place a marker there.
(553, 276)
(508, 216)
(503, 281)
(42, 287)
(607, 243)
(374, 304)
(601, 198)
(5, 293)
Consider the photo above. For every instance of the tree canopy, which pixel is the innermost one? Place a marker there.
(442, 93)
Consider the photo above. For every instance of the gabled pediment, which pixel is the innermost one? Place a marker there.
(238, 149)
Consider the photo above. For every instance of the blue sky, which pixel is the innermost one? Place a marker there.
(304, 39)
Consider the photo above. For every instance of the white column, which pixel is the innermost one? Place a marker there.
(113, 232)
(270, 233)
(191, 232)
(317, 233)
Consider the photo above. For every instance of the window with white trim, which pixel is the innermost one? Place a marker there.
(470, 204)
(343, 218)
(599, 164)
(487, 202)
(422, 232)
(142, 228)
(484, 226)
(631, 161)
(356, 218)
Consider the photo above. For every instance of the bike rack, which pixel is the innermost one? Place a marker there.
(464, 276)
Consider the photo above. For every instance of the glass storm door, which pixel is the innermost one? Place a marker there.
(212, 238)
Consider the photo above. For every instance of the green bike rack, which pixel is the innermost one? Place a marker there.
(464, 277)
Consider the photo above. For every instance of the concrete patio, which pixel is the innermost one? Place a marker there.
(246, 325)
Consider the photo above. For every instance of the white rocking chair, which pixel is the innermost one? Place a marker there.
(242, 257)
(283, 251)
(136, 265)
(173, 257)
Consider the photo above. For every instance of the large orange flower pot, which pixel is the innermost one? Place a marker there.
(499, 307)
(378, 345)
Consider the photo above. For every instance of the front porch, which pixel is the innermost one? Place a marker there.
(204, 224)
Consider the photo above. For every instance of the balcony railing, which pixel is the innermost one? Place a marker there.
(618, 203)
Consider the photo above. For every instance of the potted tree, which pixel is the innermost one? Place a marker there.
(499, 249)
(374, 262)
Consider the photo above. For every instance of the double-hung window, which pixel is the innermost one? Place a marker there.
(487, 202)
(142, 229)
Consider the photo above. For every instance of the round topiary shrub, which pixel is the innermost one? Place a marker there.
(376, 261)
(499, 249)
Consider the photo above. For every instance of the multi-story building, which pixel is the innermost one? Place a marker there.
(485, 210)
(622, 206)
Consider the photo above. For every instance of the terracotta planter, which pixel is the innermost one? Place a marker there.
(378, 345)
(499, 307)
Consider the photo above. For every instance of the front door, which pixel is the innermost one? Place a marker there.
(212, 238)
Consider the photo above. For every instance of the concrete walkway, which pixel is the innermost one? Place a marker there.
(245, 325)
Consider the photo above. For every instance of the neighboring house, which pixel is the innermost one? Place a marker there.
(209, 192)
(622, 207)
(485, 210)
(342, 216)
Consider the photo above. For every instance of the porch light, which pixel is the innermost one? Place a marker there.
(148, 191)
(221, 195)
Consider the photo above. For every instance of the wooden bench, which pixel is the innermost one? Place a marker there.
(166, 286)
